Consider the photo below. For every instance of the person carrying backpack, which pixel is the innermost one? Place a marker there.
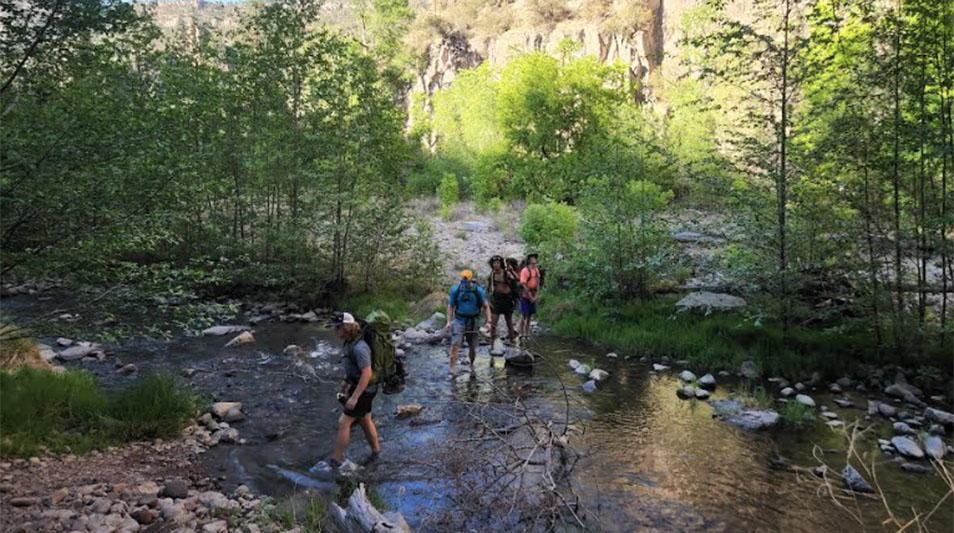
(466, 301)
(501, 285)
(530, 284)
(356, 393)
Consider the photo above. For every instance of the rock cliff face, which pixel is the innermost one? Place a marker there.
(643, 52)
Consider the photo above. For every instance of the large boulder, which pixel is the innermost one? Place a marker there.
(939, 416)
(905, 392)
(709, 301)
(737, 414)
(416, 336)
(81, 350)
(434, 323)
(935, 448)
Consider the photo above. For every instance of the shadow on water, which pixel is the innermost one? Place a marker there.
(653, 462)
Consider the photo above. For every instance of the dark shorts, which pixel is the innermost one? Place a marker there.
(363, 406)
(502, 304)
(466, 330)
(527, 308)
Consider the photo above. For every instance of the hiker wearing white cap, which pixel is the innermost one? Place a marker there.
(355, 393)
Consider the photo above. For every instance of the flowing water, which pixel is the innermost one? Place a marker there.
(653, 462)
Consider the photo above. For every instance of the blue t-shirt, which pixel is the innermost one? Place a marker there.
(470, 303)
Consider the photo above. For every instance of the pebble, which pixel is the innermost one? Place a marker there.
(128, 369)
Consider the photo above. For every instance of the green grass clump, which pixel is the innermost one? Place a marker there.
(754, 396)
(796, 414)
(70, 412)
(718, 341)
(307, 512)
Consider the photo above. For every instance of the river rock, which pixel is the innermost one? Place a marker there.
(834, 388)
(707, 381)
(830, 415)
(573, 363)
(687, 376)
(223, 330)
(435, 322)
(686, 392)
(939, 416)
(787, 391)
(660, 368)
(934, 447)
(583, 370)
(78, 352)
(128, 369)
(709, 301)
(702, 394)
(854, 480)
(589, 387)
(517, 357)
(234, 415)
(915, 468)
(737, 414)
(241, 339)
(219, 526)
(844, 382)
(900, 428)
(175, 489)
(907, 447)
(835, 423)
(598, 374)
(416, 336)
(220, 409)
(905, 392)
(144, 515)
(844, 404)
(24, 501)
(612, 355)
(408, 410)
(292, 350)
(805, 400)
(750, 370)
(887, 410)
(800, 387)
(63, 342)
(936, 429)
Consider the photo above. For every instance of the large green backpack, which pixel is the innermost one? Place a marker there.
(385, 368)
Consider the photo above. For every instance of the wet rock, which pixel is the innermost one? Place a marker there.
(589, 387)
(583, 370)
(907, 447)
(707, 381)
(829, 414)
(223, 330)
(737, 414)
(887, 410)
(939, 416)
(292, 350)
(687, 376)
(834, 388)
(24, 501)
(702, 394)
(844, 404)
(905, 392)
(175, 488)
(660, 368)
(835, 423)
(78, 352)
(612, 355)
(233, 415)
(936, 429)
(127, 370)
(241, 340)
(220, 409)
(64, 342)
(934, 447)
(573, 363)
(750, 370)
(598, 374)
(709, 301)
(408, 410)
(787, 391)
(805, 400)
(517, 357)
(800, 387)
(724, 373)
(226, 435)
(900, 428)
(854, 481)
(915, 468)
(435, 322)
(686, 392)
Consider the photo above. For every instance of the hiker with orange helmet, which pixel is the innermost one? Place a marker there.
(466, 301)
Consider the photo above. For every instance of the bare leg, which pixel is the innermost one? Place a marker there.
(472, 355)
(510, 332)
(453, 359)
(370, 432)
(344, 434)
(494, 319)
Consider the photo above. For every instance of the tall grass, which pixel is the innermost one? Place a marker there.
(69, 411)
(717, 341)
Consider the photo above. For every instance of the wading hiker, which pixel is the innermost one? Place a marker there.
(467, 299)
(502, 286)
(530, 287)
(355, 394)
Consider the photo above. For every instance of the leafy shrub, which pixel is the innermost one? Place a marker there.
(449, 192)
(550, 226)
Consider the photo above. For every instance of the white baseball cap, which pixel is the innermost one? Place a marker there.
(341, 319)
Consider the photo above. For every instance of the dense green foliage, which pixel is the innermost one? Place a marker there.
(265, 159)
(70, 411)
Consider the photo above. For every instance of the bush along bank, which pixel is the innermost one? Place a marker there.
(720, 340)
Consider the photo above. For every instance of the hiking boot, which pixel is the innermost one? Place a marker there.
(326, 468)
(372, 457)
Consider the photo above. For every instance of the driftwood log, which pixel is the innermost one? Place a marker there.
(361, 516)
